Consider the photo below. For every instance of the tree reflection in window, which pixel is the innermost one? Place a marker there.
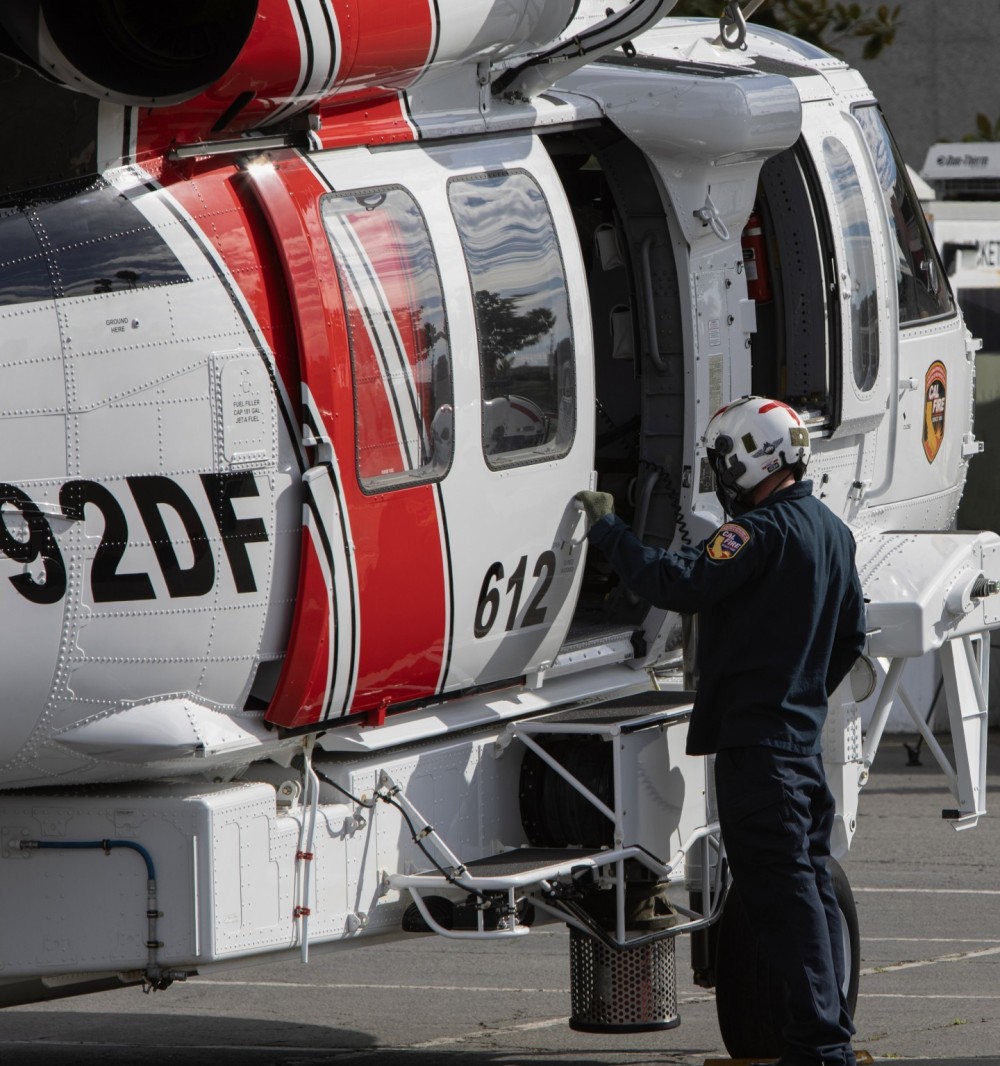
(522, 317)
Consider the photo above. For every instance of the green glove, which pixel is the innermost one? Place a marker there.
(596, 504)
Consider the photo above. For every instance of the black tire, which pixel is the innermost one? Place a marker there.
(749, 997)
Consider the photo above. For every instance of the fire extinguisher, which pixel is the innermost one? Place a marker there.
(755, 259)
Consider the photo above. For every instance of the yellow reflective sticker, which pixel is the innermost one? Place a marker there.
(727, 541)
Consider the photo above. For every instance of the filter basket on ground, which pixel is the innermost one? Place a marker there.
(622, 990)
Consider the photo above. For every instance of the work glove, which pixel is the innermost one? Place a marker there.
(596, 504)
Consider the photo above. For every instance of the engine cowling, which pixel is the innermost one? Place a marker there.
(232, 65)
(132, 53)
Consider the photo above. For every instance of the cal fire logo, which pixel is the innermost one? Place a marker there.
(935, 387)
(727, 541)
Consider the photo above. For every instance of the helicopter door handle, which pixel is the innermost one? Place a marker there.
(709, 216)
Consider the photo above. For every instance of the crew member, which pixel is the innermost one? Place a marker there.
(780, 623)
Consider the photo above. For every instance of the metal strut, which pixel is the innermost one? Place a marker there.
(964, 664)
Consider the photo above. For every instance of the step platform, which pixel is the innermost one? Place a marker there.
(518, 868)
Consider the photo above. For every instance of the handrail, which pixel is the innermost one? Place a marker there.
(647, 284)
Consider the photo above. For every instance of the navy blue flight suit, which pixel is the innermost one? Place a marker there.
(780, 623)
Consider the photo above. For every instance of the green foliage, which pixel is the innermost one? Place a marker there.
(825, 23)
(503, 330)
(986, 130)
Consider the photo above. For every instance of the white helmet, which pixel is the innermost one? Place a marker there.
(750, 439)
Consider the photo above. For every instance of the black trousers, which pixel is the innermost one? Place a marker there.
(776, 814)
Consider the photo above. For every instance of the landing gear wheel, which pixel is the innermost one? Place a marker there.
(749, 997)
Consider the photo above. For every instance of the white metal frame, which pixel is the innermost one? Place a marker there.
(965, 669)
(540, 883)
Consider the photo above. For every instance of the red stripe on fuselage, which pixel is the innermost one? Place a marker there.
(214, 197)
(304, 689)
(365, 121)
(374, 52)
(394, 35)
(397, 545)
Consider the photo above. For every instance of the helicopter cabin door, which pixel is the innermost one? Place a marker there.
(447, 399)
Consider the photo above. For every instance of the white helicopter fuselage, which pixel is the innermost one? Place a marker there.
(295, 404)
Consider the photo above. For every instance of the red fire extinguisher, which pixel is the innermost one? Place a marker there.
(755, 260)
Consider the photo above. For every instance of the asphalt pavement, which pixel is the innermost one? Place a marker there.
(929, 905)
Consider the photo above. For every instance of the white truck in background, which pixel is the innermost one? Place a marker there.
(962, 203)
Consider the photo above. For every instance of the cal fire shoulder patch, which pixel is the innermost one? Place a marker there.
(727, 541)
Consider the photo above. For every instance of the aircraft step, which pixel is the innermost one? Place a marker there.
(550, 878)
(518, 868)
(625, 714)
(547, 875)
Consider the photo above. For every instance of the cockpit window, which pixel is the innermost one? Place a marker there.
(923, 287)
(858, 280)
(522, 317)
(400, 353)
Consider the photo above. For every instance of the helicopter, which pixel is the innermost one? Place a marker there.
(314, 316)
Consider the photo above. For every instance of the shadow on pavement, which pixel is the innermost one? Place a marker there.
(53, 1038)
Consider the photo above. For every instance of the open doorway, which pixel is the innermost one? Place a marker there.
(629, 256)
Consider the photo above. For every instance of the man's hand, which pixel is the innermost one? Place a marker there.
(596, 504)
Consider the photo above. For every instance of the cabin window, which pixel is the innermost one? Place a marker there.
(522, 317)
(858, 280)
(923, 288)
(398, 331)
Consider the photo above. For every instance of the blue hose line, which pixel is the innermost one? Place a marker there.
(102, 845)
